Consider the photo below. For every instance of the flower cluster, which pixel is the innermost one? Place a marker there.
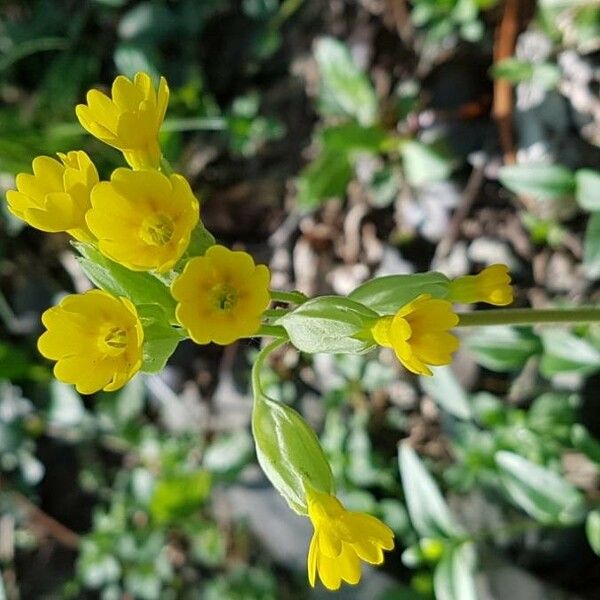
(142, 218)
(163, 278)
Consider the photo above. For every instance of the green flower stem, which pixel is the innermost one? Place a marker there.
(275, 313)
(259, 362)
(294, 297)
(528, 316)
(271, 330)
(165, 166)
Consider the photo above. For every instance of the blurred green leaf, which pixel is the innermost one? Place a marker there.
(66, 406)
(515, 70)
(177, 497)
(543, 182)
(343, 85)
(353, 137)
(424, 163)
(591, 247)
(326, 177)
(540, 492)
(133, 57)
(592, 530)
(208, 545)
(587, 191)
(428, 510)
(444, 388)
(229, 453)
(454, 576)
(503, 348)
(564, 352)
(585, 442)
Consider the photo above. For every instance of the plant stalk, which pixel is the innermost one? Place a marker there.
(521, 317)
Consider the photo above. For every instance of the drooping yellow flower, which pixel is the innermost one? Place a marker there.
(96, 340)
(341, 539)
(221, 296)
(143, 219)
(57, 195)
(418, 333)
(130, 119)
(492, 285)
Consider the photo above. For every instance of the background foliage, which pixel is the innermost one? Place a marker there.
(335, 141)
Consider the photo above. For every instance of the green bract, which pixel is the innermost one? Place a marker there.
(387, 294)
(288, 452)
(330, 324)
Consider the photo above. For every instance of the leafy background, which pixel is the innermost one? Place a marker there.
(335, 141)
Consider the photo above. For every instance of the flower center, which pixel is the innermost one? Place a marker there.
(157, 230)
(114, 341)
(223, 296)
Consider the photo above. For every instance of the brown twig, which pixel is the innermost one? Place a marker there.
(467, 200)
(504, 47)
(50, 526)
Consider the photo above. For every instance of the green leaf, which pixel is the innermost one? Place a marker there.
(423, 163)
(447, 392)
(140, 288)
(178, 497)
(543, 182)
(591, 247)
(228, 453)
(160, 338)
(326, 177)
(353, 137)
(587, 192)
(331, 324)
(427, 508)
(454, 575)
(200, 241)
(540, 492)
(385, 295)
(585, 442)
(592, 530)
(503, 348)
(564, 352)
(344, 88)
(66, 407)
(515, 71)
(288, 452)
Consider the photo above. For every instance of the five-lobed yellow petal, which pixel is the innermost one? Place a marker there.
(57, 195)
(143, 219)
(341, 539)
(418, 333)
(96, 340)
(492, 285)
(221, 296)
(130, 119)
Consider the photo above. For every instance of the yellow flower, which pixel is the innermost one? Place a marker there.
(96, 339)
(143, 219)
(341, 539)
(130, 119)
(418, 333)
(492, 285)
(57, 195)
(221, 296)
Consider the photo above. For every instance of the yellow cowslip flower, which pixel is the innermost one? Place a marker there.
(341, 539)
(96, 340)
(492, 285)
(143, 219)
(221, 296)
(130, 119)
(418, 333)
(56, 197)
